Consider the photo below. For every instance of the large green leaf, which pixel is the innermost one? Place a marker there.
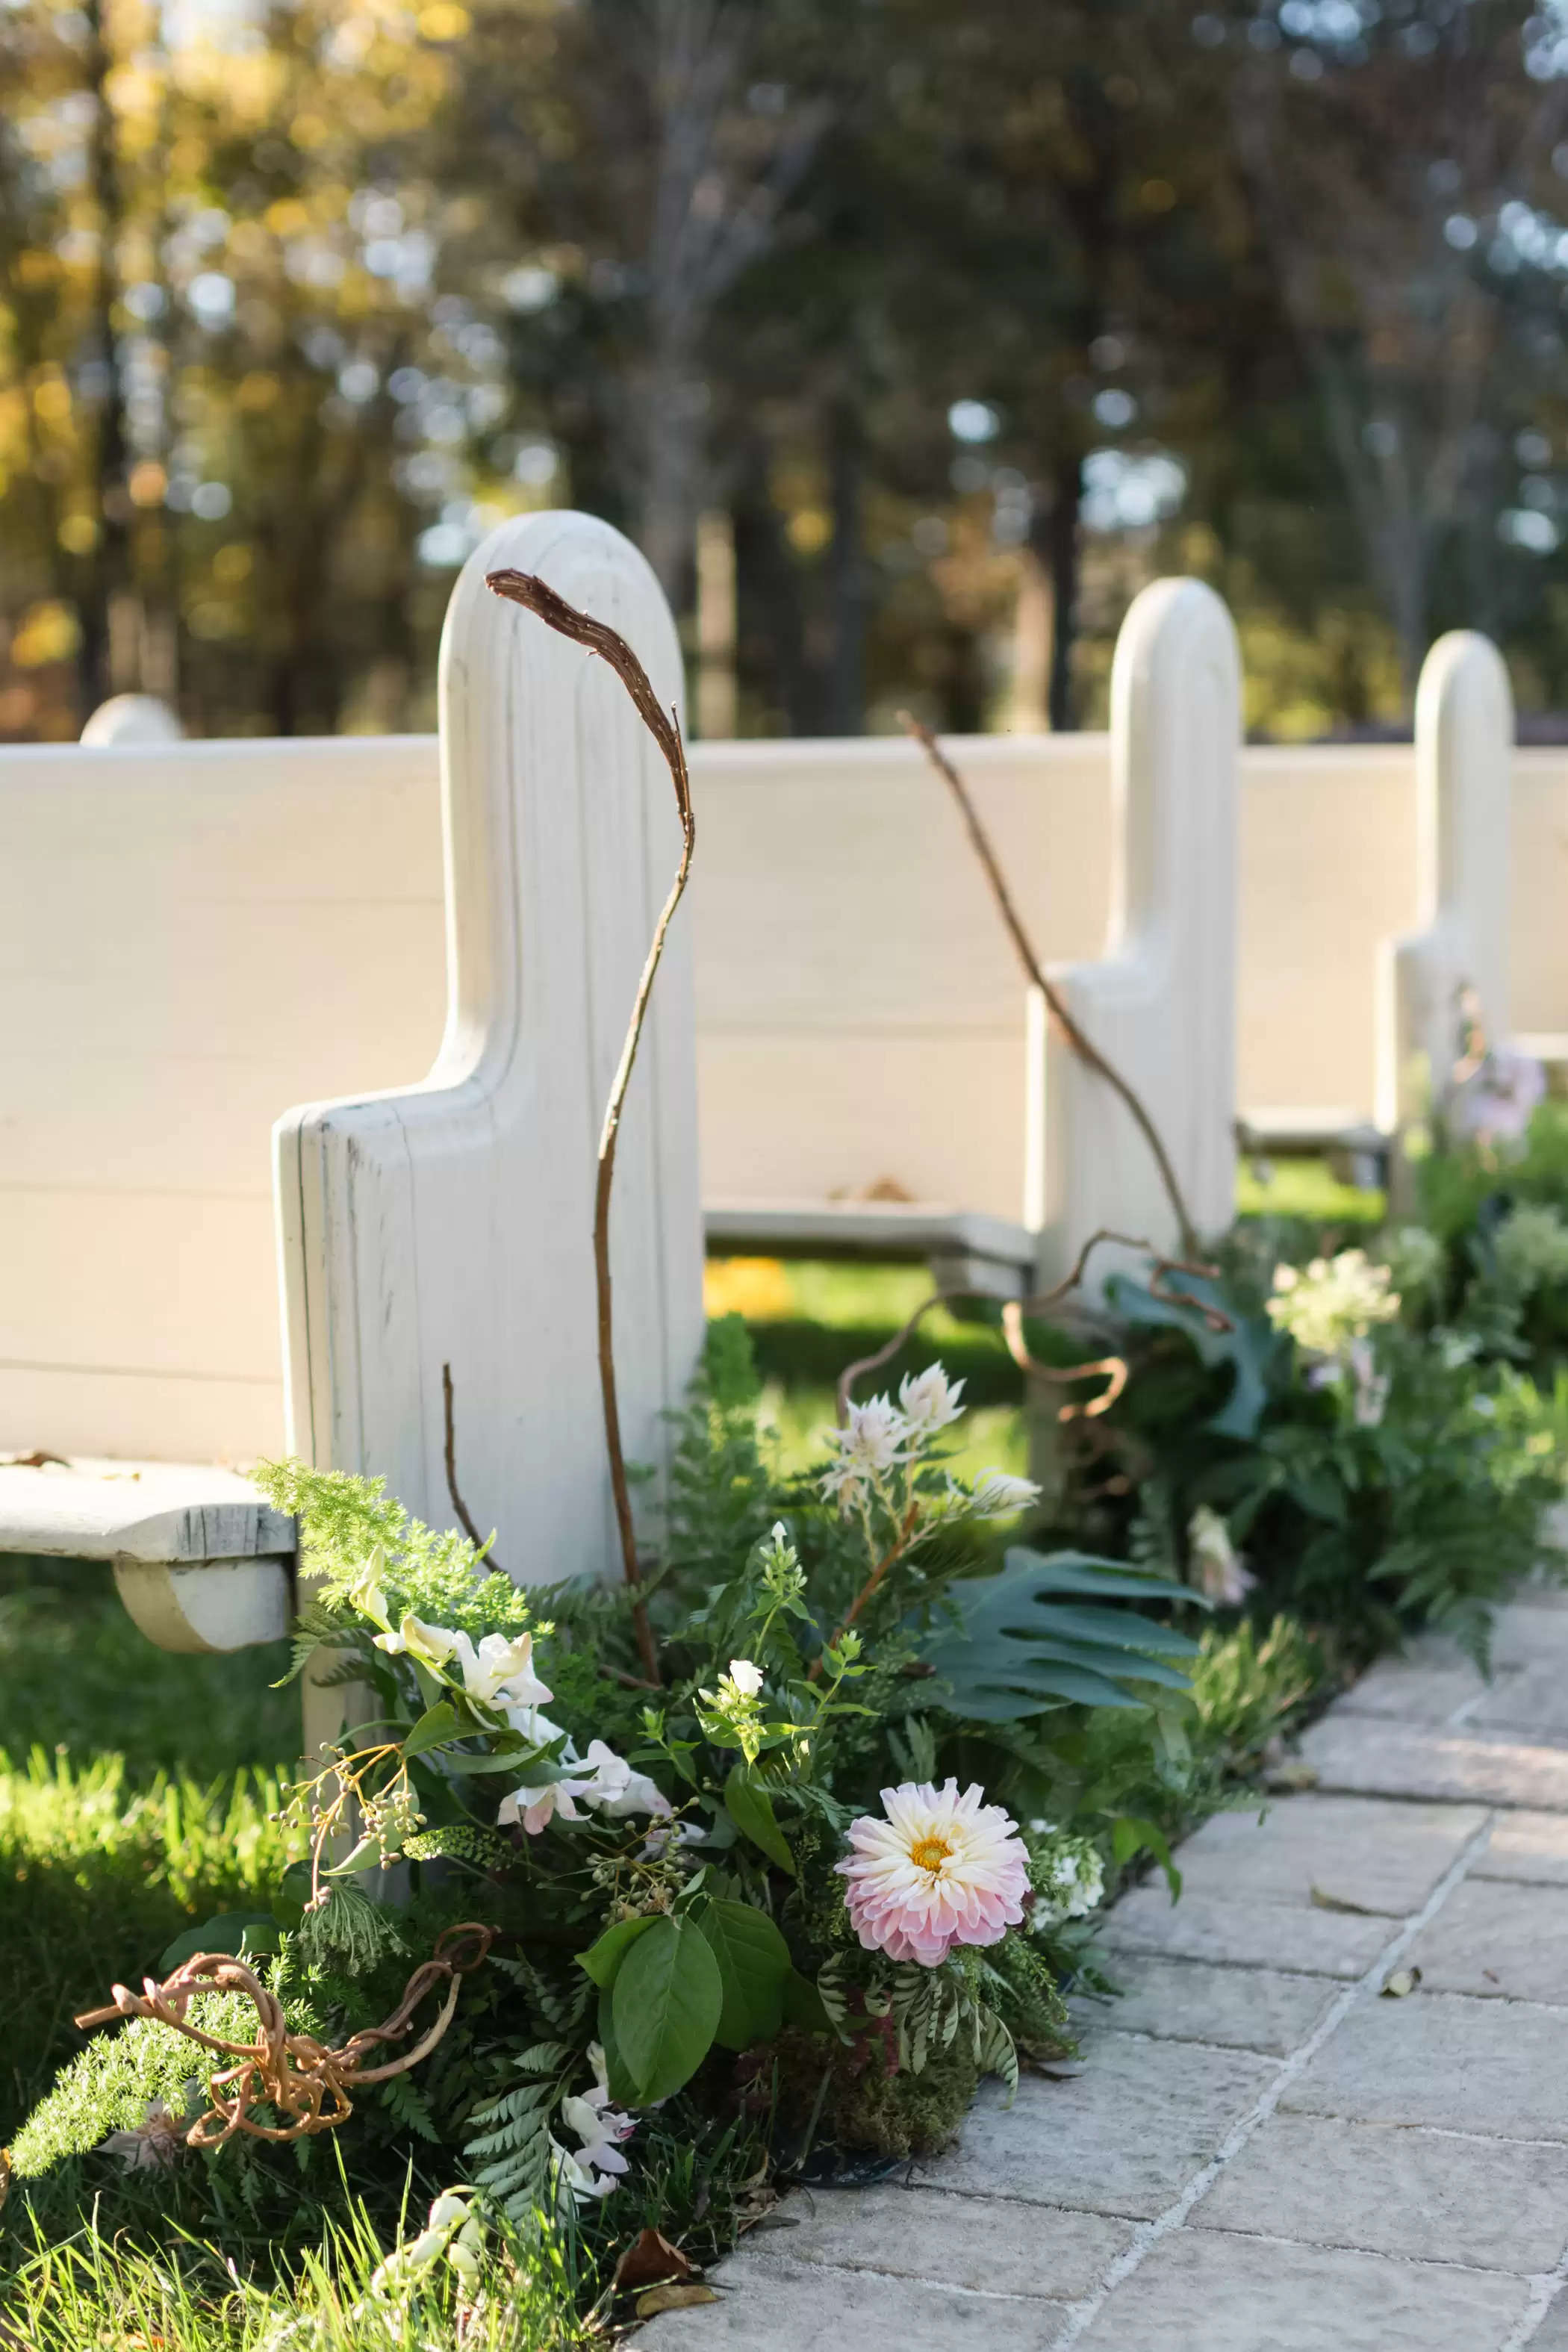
(753, 1962)
(668, 2000)
(1026, 1642)
(750, 1809)
(602, 1960)
(1248, 1345)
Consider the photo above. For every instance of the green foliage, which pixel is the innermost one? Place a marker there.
(666, 2004)
(1250, 1683)
(98, 1876)
(124, 2071)
(344, 1521)
(1021, 1646)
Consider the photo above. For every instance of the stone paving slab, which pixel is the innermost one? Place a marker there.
(1527, 1846)
(1384, 1855)
(1551, 2335)
(1446, 2061)
(1202, 2292)
(1355, 1756)
(1122, 2137)
(1294, 1937)
(771, 2305)
(1533, 1630)
(1193, 2000)
(1498, 1941)
(987, 2243)
(1428, 1684)
(1258, 2154)
(1431, 2196)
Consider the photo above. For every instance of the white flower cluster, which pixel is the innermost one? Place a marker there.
(1326, 1305)
(1067, 1873)
(881, 1438)
(498, 1676)
(600, 2130)
(1531, 1249)
(1214, 1566)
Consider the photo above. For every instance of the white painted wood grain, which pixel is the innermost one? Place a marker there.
(451, 1221)
(1161, 1002)
(1464, 752)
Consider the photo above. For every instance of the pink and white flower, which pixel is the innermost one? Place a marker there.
(941, 1870)
(499, 1673)
(870, 1445)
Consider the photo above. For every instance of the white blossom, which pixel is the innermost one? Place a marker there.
(747, 1677)
(996, 1493)
(154, 2142)
(535, 1807)
(1497, 1101)
(613, 1789)
(431, 1644)
(870, 1445)
(1221, 1574)
(500, 1673)
(1327, 1304)
(929, 1402)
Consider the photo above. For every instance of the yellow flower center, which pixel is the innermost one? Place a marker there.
(930, 1854)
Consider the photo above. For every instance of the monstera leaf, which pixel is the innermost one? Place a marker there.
(1248, 1345)
(1038, 1635)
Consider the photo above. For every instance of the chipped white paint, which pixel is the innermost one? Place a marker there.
(1463, 756)
(131, 719)
(451, 1221)
(1161, 1002)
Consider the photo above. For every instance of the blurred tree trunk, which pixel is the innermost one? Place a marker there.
(845, 696)
(1053, 538)
(108, 573)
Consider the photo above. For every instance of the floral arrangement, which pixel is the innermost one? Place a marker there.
(793, 1877)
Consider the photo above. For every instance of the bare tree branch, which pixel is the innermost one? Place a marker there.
(527, 589)
(1083, 1045)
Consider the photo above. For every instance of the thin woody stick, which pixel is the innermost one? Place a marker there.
(1083, 1046)
(1015, 1311)
(527, 589)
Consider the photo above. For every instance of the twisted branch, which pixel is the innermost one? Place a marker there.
(1083, 1045)
(537, 596)
(293, 2074)
(1015, 1310)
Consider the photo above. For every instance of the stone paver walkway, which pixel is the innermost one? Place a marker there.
(1261, 2154)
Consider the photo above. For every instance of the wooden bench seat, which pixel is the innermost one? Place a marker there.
(201, 1560)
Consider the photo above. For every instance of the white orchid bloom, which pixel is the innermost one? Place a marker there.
(431, 1644)
(500, 1673)
(366, 1592)
(996, 1493)
(534, 1807)
(928, 1400)
(747, 1677)
(574, 2180)
(616, 1789)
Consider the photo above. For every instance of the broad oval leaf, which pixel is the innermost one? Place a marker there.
(754, 1962)
(750, 1809)
(665, 2006)
(602, 1960)
(437, 1723)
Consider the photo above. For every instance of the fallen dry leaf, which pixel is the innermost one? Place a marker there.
(679, 2295)
(1402, 1981)
(650, 2259)
(1292, 1776)
(1323, 1901)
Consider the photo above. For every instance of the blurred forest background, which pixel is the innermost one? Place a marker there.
(907, 337)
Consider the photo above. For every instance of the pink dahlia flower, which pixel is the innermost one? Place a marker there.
(941, 1870)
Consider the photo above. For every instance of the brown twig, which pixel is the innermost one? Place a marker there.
(527, 589)
(465, 1516)
(1063, 1375)
(1083, 1045)
(1038, 1304)
(296, 2075)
